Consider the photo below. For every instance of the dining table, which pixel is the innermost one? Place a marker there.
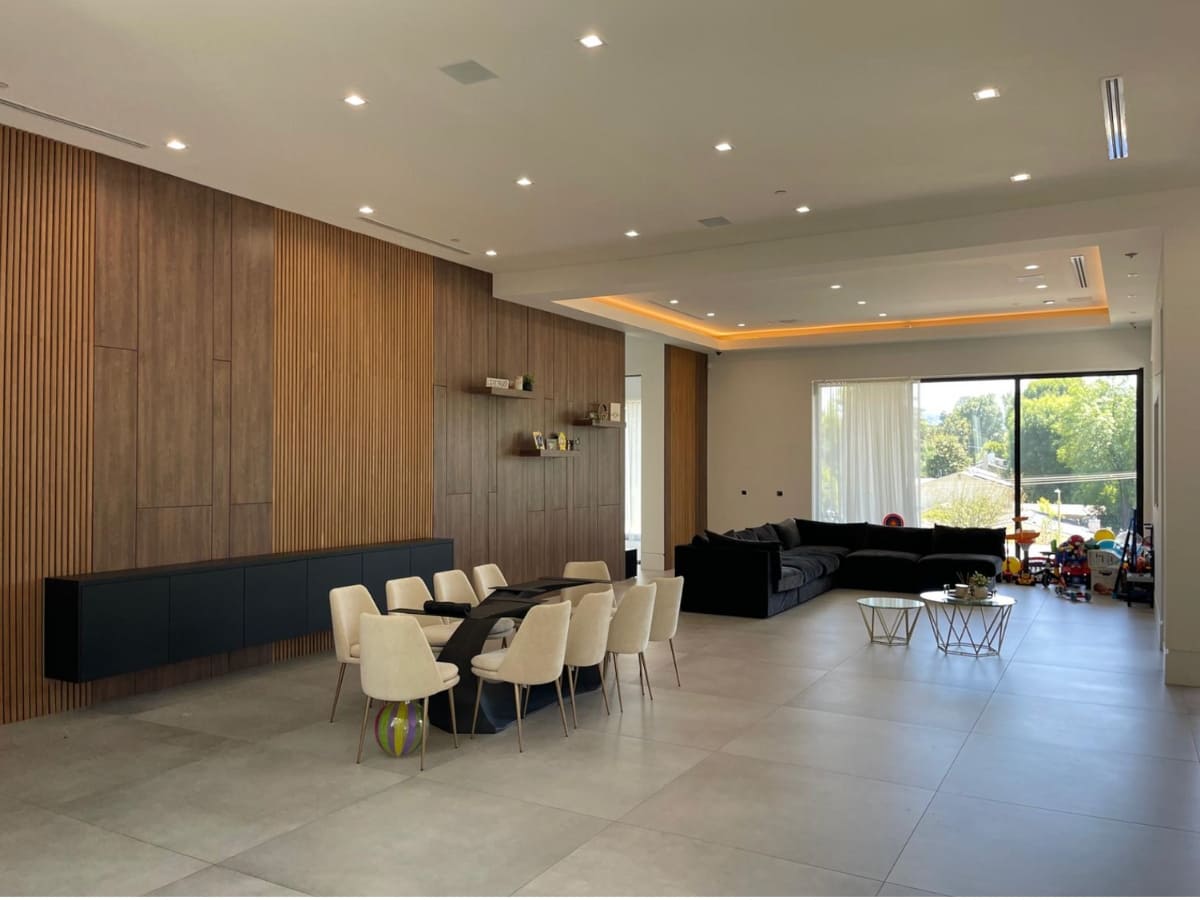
(496, 705)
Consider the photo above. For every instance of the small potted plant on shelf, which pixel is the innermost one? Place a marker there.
(981, 586)
(527, 382)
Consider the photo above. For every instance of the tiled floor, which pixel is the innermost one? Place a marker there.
(797, 759)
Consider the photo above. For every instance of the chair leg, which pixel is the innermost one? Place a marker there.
(604, 694)
(571, 685)
(504, 643)
(562, 710)
(528, 691)
(453, 719)
(424, 730)
(642, 661)
(617, 679)
(362, 732)
(671, 644)
(641, 683)
(478, 694)
(338, 691)
(520, 737)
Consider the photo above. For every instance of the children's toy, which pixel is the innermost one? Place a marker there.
(1074, 575)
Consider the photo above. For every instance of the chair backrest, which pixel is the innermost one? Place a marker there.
(346, 606)
(411, 593)
(587, 637)
(536, 653)
(453, 586)
(576, 593)
(397, 663)
(597, 569)
(487, 578)
(630, 628)
(667, 598)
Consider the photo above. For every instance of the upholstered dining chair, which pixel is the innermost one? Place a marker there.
(668, 597)
(587, 641)
(453, 586)
(535, 657)
(346, 606)
(597, 569)
(411, 593)
(487, 578)
(629, 632)
(398, 666)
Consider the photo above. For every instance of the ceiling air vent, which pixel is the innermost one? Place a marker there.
(1112, 93)
(71, 123)
(714, 221)
(1080, 271)
(786, 322)
(469, 72)
(415, 237)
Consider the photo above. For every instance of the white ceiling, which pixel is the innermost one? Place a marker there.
(860, 109)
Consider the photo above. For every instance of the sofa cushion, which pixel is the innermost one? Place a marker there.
(792, 578)
(700, 540)
(891, 571)
(906, 540)
(951, 565)
(834, 534)
(813, 564)
(765, 532)
(884, 557)
(825, 549)
(772, 548)
(789, 533)
(986, 541)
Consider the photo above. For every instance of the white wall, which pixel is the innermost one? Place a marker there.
(645, 356)
(760, 417)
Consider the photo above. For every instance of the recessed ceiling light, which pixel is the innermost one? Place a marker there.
(366, 210)
(355, 100)
(176, 144)
(802, 209)
(835, 287)
(1031, 267)
(724, 147)
(1048, 302)
(1042, 287)
(1132, 296)
(987, 93)
(883, 315)
(524, 181)
(741, 324)
(862, 302)
(1131, 274)
(673, 302)
(1020, 176)
(591, 41)
(489, 252)
(709, 315)
(631, 233)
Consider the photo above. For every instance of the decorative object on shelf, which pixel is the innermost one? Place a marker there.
(570, 443)
(562, 440)
(893, 520)
(614, 412)
(593, 415)
(539, 440)
(398, 728)
(602, 412)
(527, 382)
(578, 443)
(518, 383)
(503, 383)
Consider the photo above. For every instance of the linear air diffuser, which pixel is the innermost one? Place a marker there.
(1112, 93)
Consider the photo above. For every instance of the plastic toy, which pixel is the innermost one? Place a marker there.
(1074, 575)
(893, 520)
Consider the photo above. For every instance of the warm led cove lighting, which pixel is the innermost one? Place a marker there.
(631, 233)
(366, 210)
(1020, 176)
(724, 147)
(1031, 267)
(802, 209)
(489, 252)
(176, 144)
(591, 41)
(987, 93)
(355, 100)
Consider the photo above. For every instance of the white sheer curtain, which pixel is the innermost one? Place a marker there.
(867, 451)
(633, 469)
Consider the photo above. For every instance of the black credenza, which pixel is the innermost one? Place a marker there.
(111, 623)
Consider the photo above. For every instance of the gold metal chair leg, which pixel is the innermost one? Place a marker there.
(641, 683)
(562, 710)
(642, 661)
(424, 730)
(453, 719)
(604, 693)
(520, 737)
(528, 691)
(362, 732)
(338, 691)
(571, 685)
(504, 642)
(617, 679)
(478, 694)
(671, 644)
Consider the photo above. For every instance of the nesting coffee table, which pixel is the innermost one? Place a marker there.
(968, 626)
(883, 631)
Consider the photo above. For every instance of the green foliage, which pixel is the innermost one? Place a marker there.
(973, 505)
(942, 454)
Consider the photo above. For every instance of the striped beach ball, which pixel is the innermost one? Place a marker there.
(398, 728)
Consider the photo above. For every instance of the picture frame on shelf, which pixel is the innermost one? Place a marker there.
(502, 383)
(602, 412)
(614, 412)
(539, 440)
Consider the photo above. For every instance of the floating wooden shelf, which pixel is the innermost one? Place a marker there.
(598, 424)
(510, 393)
(550, 452)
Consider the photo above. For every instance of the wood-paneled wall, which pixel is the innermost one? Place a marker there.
(686, 477)
(47, 242)
(528, 515)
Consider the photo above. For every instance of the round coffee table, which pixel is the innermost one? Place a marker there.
(889, 632)
(972, 627)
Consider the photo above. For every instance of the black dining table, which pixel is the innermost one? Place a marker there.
(496, 709)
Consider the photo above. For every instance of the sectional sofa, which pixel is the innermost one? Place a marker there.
(762, 571)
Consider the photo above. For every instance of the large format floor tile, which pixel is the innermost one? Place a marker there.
(1138, 690)
(970, 846)
(925, 664)
(738, 680)
(827, 819)
(216, 881)
(421, 837)
(626, 861)
(872, 748)
(918, 703)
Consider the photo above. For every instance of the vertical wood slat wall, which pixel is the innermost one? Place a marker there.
(47, 240)
(686, 477)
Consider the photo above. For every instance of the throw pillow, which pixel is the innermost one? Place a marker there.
(986, 541)
(789, 533)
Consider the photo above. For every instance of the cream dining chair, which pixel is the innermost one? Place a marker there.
(398, 666)
(668, 597)
(346, 606)
(487, 578)
(453, 586)
(597, 569)
(411, 593)
(630, 633)
(587, 641)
